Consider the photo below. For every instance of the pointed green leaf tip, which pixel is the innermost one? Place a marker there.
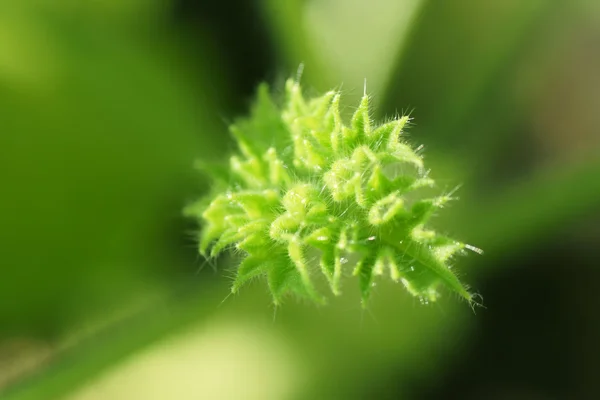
(309, 199)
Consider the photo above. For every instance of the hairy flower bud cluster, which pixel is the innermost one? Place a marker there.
(309, 197)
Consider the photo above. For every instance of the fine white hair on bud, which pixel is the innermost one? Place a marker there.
(304, 183)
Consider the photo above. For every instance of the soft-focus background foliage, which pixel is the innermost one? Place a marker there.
(104, 105)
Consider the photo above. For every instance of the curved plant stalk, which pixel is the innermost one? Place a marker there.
(309, 196)
(539, 206)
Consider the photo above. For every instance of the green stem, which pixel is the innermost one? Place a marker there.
(531, 210)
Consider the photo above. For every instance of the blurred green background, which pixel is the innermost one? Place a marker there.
(105, 105)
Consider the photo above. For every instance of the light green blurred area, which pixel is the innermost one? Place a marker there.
(104, 108)
(227, 349)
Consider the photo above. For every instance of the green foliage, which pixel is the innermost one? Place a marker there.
(308, 193)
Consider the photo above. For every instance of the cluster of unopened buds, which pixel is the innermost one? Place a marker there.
(309, 198)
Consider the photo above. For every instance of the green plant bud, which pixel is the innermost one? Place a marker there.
(309, 198)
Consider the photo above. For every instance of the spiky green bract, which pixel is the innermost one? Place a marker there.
(310, 196)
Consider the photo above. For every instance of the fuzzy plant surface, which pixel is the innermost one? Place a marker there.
(309, 199)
